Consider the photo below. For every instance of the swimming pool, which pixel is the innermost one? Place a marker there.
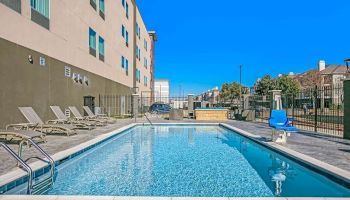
(209, 161)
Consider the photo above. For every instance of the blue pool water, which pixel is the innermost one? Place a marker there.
(187, 161)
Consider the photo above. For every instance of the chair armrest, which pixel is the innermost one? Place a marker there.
(56, 121)
(21, 126)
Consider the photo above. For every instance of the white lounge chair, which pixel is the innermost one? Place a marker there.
(38, 125)
(63, 119)
(99, 116)
(79, 117)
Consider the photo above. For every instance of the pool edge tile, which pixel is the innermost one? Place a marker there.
(199, 198)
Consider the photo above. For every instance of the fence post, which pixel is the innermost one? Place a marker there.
(347, 109)
(316, 108)
(135, 105)
(190, 106)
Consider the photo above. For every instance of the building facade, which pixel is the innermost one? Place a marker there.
(69, 52)
(161, 91)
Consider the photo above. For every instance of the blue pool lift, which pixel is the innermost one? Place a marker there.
(280, 122)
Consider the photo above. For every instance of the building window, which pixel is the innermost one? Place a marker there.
(139, 54)
(145, 63)
(41, 6)
(138, 75)
(102, 8)
(127, 67)
(127, 9)
(123, 62)
(123, 31)
(145, 81)
(92, 41)
(101, 48)
(125, 35)
(93, 4)
(123, 3)
(138, 31)
(145, 44)
(13, 4)
(127, 38)
(40, 12)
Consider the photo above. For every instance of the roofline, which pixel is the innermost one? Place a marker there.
(153, 34)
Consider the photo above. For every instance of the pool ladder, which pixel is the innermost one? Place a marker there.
(149, 121)
(34, 187)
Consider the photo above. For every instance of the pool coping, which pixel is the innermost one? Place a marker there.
(19, 174)
(296, 156)
(19, 197)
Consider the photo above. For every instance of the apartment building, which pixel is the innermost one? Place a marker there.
(161, 91)
(69, 52)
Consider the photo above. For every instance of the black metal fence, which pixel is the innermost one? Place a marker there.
(122, 105)
(116, 105)
(317, 109)
(261, 106)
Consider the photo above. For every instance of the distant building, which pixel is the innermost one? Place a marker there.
(161, 91)
(325, 75)
(211, 96)
(332, 74)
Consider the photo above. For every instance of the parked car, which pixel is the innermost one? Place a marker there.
(160, 108)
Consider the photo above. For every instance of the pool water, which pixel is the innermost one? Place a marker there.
(199, 161)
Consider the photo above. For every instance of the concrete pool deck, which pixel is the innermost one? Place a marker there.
(319, 147)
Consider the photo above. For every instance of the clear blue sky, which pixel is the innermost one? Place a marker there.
(201, 43)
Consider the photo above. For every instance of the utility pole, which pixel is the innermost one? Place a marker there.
(240, 84)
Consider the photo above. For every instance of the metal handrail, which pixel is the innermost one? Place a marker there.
(149, 121)
(25, 165)
(52, 162)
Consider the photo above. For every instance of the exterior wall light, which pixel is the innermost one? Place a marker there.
(30, 59)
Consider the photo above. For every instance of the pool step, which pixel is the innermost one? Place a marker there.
(42, 186)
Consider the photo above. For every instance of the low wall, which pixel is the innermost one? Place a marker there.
(211, 114)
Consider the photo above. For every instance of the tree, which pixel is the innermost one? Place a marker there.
(230, 91)
(287, 85)
(264, 85)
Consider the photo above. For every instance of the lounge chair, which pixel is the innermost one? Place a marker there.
(63, 119)
(99, 116)
(280, 123)
(79, 117)
(21, 138)
(16, 136)
(40, 126)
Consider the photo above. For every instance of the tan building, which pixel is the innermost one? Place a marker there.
(69, 52)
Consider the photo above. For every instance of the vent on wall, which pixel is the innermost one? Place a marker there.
(67, 71)
(42, 61)
(67, 112)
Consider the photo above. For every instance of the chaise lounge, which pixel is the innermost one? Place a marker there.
(63, 119)
(37, 124)
(101, 117)
(79, 117)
